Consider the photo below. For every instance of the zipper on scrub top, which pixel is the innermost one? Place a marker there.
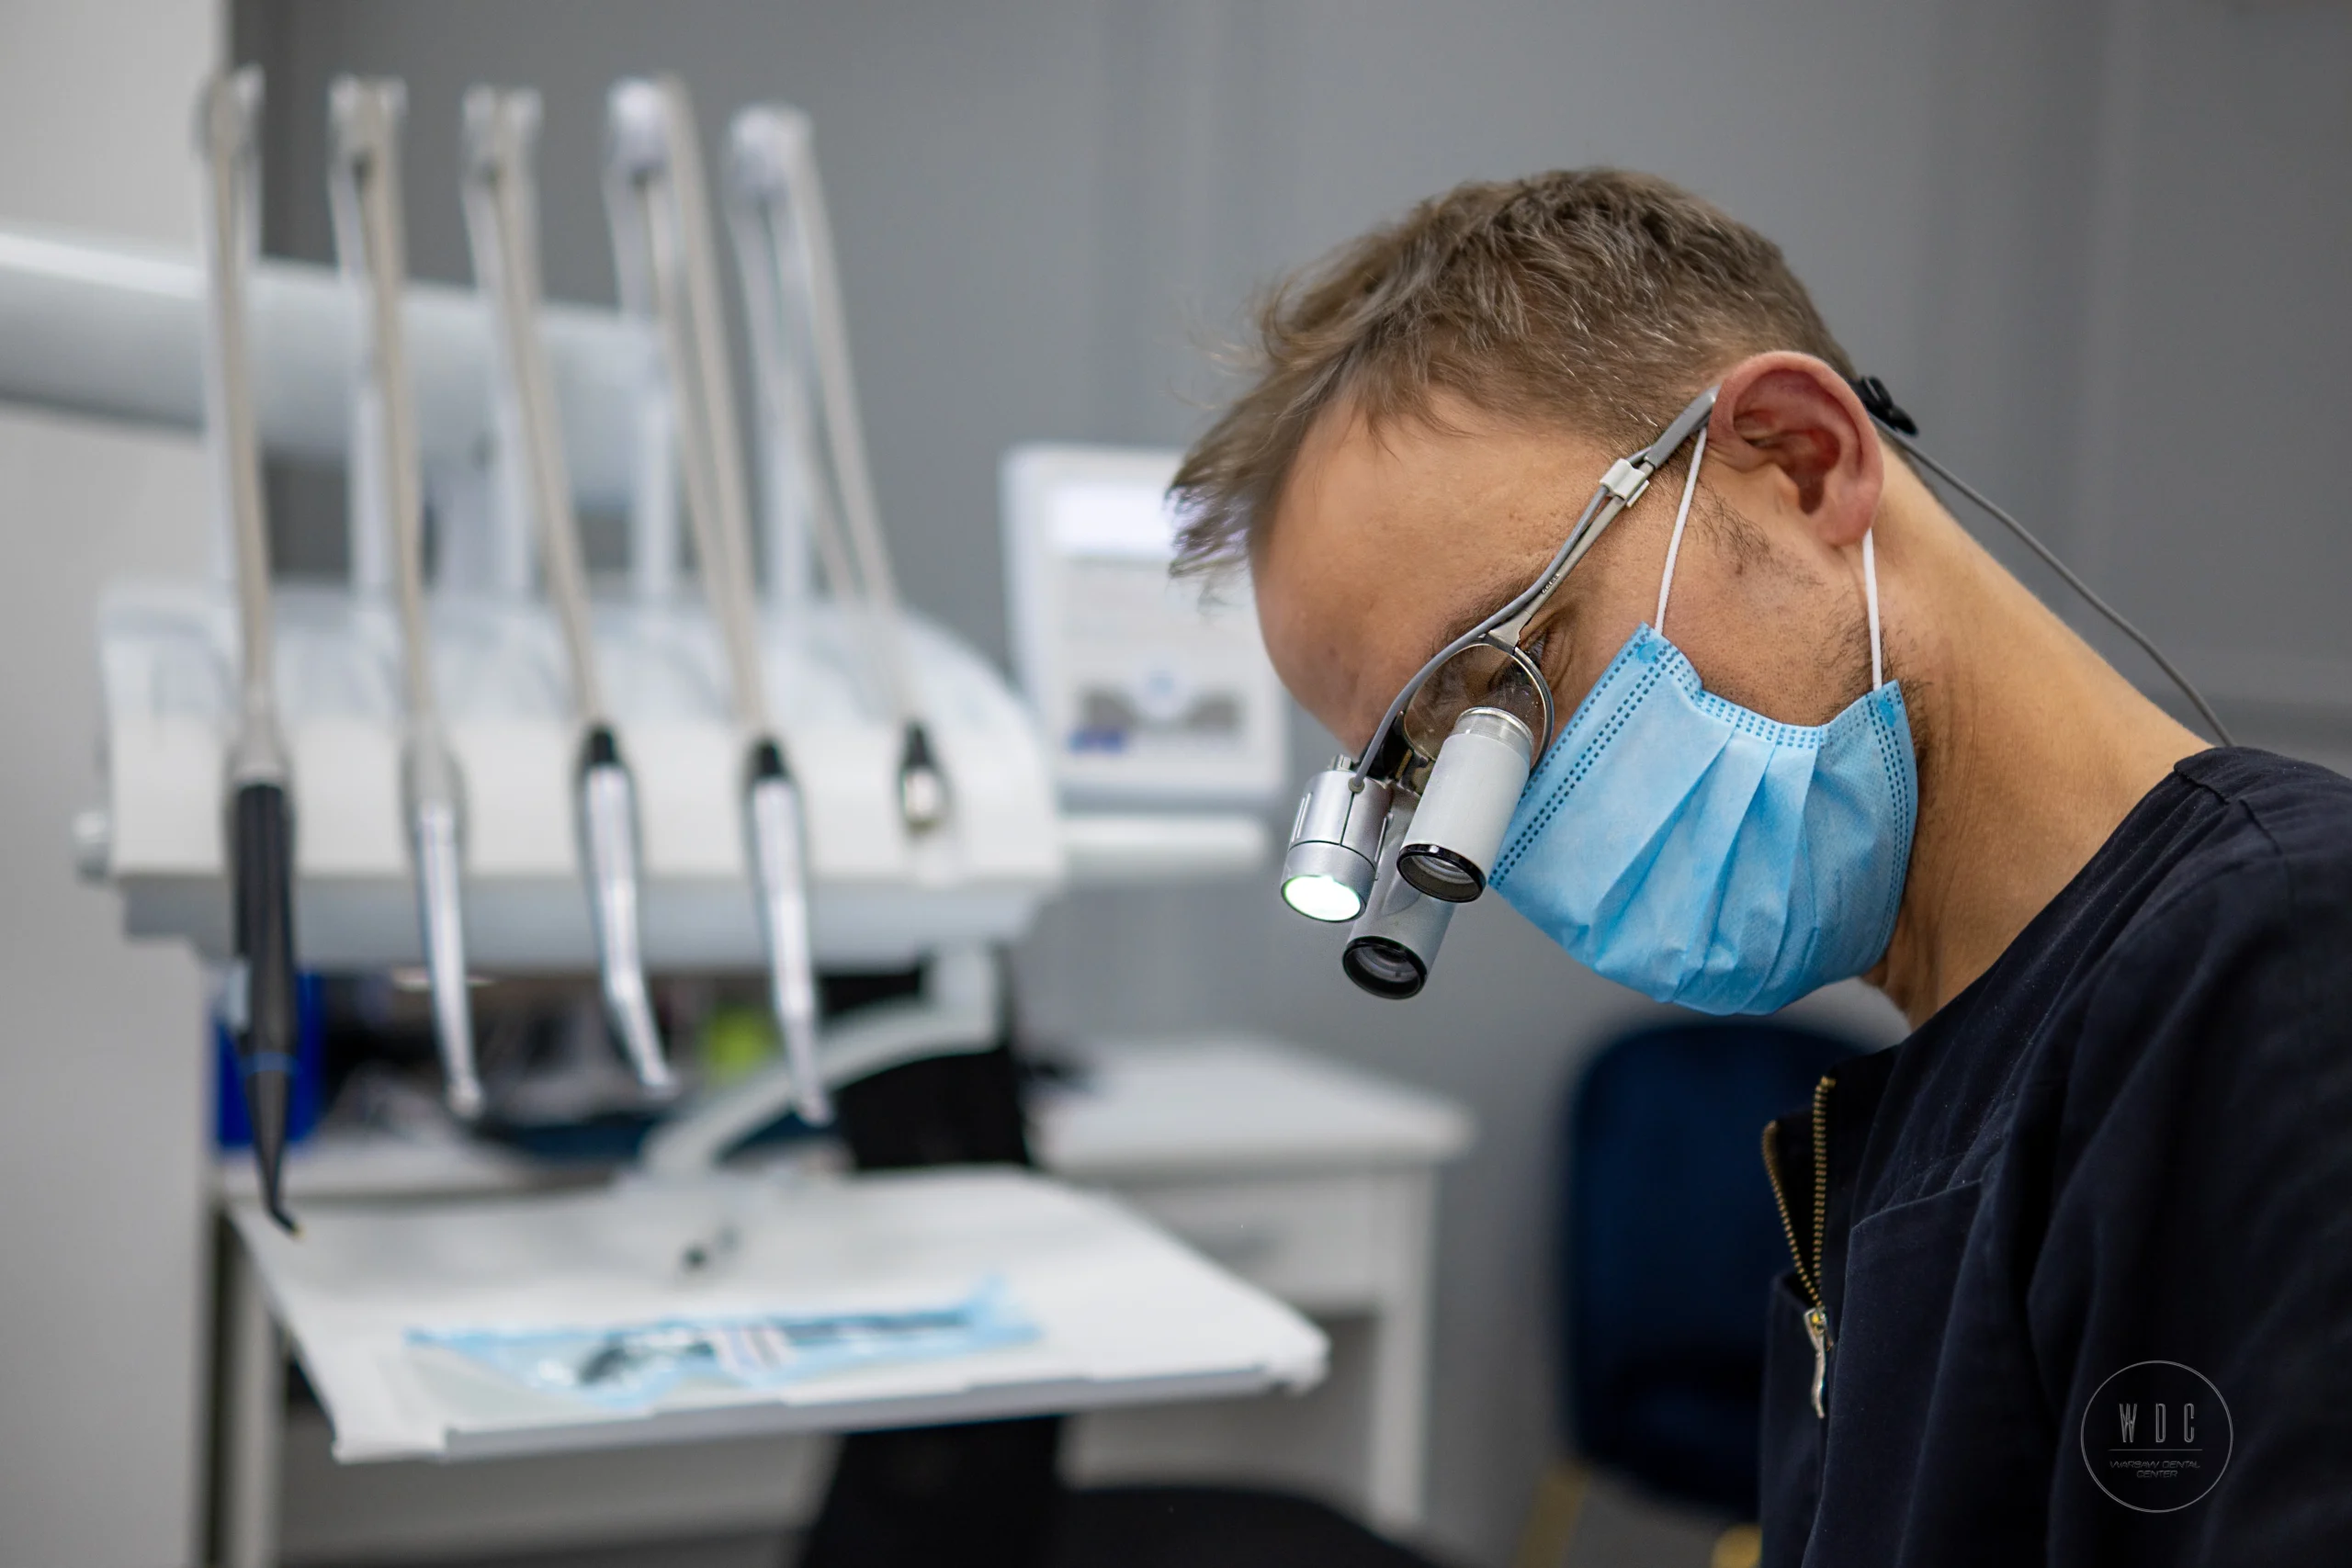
(1809, 1264)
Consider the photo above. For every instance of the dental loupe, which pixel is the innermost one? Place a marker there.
(1395, 840)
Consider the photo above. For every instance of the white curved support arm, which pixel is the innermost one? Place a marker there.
(957, 1014)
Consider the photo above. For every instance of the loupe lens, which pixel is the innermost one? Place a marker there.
(1384, 967)
(1442, 874)
(1467, 805)
(1390, 949)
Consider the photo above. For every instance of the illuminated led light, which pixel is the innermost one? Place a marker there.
(1322, 897)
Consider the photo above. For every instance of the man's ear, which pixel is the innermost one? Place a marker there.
(1791, 421)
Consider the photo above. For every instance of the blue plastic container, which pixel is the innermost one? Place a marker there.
(231, 1128)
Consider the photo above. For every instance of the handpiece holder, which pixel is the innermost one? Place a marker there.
(365, 183)
(607, 798)
(776, 834)
(431, 788)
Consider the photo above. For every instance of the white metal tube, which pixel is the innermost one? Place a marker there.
(654, 160)
(366, 118)
(798, 502)
(233, 109)
(117, 331)
(837, 386)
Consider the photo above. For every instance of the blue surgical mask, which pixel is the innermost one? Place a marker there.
(1704, 854)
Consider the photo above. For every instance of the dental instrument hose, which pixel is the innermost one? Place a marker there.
(922, 786)
(656, 145)
(260, 1003)
(366, 117)
(499, 129)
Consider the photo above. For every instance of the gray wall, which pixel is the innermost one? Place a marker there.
(103, 1075)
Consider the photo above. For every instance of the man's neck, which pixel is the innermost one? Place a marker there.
(2032, 751)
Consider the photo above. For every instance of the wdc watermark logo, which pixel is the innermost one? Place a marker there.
(2156, 1437)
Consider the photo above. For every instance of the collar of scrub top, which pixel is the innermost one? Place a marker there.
(1621, 487)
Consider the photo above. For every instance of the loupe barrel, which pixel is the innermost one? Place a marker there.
(1327, 871)
(1466, 807)
(1394, 943)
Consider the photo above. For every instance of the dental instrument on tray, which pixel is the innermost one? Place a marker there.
(260, 1001)
(784, 246)
(502, 227)
(366, 118)
(661, 230)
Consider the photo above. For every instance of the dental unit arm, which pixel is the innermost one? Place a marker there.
(799, 332)
(365, 119)
(501, 132)
(260, 826)
(661, 227)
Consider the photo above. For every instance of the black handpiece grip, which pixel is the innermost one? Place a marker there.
(600, 750)
(922, 786)
(262, 849)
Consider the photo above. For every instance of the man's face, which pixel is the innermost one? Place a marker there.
(1386, 545)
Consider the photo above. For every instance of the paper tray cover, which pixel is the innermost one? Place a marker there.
(1126, 1314)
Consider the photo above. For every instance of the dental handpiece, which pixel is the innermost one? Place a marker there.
(500, 129)
(661, 214)
(785, 247)
(259, 829)
(366, 117)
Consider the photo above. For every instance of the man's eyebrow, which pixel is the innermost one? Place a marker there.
(1478, 604)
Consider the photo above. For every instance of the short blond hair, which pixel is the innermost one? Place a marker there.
(1596, 298)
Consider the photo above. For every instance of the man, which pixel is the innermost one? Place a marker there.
(2079, 1288)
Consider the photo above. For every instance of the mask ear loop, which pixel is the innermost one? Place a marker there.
(1674, 550)
(1674, 544)
(1870, 597)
